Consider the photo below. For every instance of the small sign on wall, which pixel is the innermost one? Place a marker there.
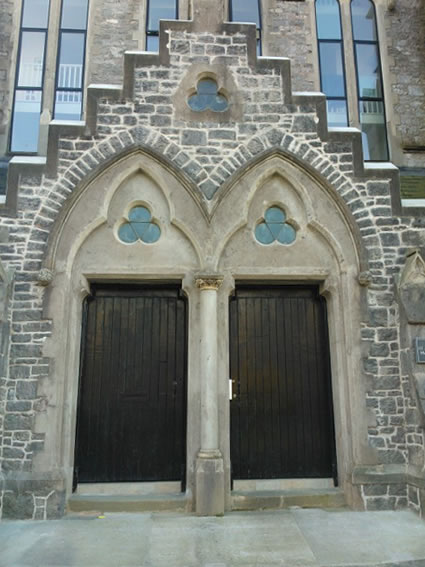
(420, 351)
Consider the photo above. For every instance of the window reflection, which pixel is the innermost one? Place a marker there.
(26, 121)
(29, 77)
(363, 17)
(71, 60)
(74, 14)
(369, 75)
(35, 14)
(32, 59)
(158, 10)
(328, 19)
(369, 81)
(70, 69)
(331, 56)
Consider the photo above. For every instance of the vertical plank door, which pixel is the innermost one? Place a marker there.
(132, 401)
(281, 414)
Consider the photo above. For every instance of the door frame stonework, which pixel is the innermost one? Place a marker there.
(200, 242)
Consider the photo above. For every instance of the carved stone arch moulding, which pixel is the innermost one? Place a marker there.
(108, 181)
(310, 208)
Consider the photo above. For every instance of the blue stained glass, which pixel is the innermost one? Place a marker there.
(139, 214)
(263, 234)
(275, 228)
(218, 103)
(287, 234)
(151, 234)
(274, 214)
(127, 234)
(139, 227)
(207, 98)
(207, 86)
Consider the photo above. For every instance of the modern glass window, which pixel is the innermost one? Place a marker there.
(71, 58)
(158, 10)
(247, 11)
(369, 81)
(331, 60)
(29, 76)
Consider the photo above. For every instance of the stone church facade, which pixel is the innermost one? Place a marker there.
(204, 227)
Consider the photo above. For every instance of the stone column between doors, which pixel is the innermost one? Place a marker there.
(209, 462)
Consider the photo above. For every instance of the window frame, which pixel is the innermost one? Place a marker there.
(75, 31)
(16, 87)
(155, 33)
(360, 98)
(260, 23)
(341, 43)
(350, 62)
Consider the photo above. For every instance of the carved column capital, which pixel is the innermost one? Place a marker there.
(209, 282)
(365, 279)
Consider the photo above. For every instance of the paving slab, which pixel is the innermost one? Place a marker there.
(284, 538)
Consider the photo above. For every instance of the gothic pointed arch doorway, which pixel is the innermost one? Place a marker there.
(281, 412)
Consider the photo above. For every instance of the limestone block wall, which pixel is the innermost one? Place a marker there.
(7, 9)
(114, 26)
(405, 27)
(288, 33)
(207, 153)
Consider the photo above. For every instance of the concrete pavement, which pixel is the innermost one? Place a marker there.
(296, 537)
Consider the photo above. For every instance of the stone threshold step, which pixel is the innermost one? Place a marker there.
(273, 499)
(127, 503)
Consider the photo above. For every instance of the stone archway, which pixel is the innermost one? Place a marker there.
(327, 251)
(85, 248)
(208, 249)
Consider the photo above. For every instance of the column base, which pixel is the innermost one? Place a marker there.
(209, 484)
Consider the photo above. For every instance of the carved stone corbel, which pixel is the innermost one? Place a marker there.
(45, 277)
(365, 279)
(412, 288)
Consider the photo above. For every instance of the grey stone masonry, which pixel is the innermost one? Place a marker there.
(114, 27)
(6, 48)
(405, 28)
(287, 32)
(204, 154)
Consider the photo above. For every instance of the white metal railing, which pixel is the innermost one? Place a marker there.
(68, 96)
(372, 106)
(70, 76)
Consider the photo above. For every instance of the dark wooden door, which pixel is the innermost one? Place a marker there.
(132, 401)
(281, 417)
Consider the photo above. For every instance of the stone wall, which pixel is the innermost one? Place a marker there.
(6, 47)
(287, 33)
(406, 48)
(113, 28)
(207, 153)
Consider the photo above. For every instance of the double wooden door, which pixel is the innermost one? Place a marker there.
(281, 413)
(132, 400)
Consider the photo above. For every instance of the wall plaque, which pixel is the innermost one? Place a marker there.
(420, 351)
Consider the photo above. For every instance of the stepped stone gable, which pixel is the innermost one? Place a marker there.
(207, 156)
